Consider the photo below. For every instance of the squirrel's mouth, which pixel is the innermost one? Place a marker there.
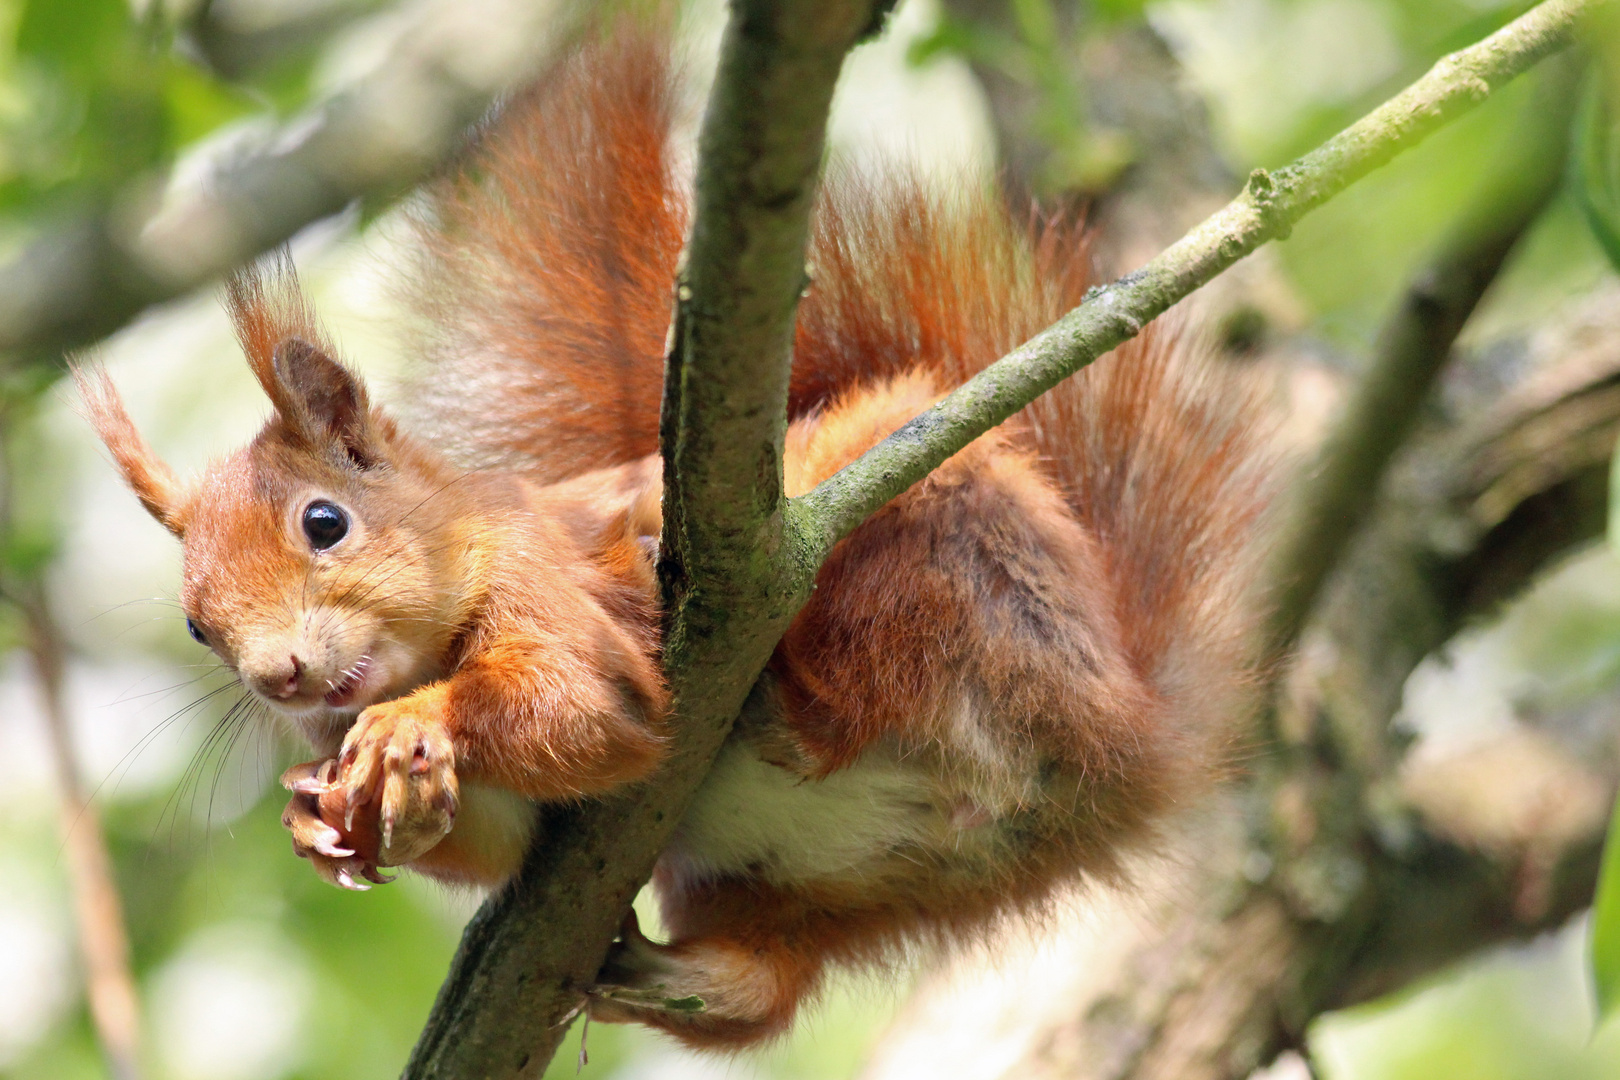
(349, 685)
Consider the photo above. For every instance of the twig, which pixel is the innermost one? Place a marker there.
(1340, 915)
(1413, 349)
(1268, 208)
(97, 909)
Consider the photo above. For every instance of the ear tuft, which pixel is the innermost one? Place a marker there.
(153, 482)
(328, 401)
(321, 401)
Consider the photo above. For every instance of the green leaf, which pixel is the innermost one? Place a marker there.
(1613, 534)
(1596, 166)
(199, 104)
(74, 34)
(1605, 942)
(27, 554)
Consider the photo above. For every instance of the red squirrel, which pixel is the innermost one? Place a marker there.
(1003, 682)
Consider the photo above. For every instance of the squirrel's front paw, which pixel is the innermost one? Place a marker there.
(397, 768)
(333, 854)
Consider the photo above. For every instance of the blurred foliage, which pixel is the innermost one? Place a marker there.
(1037, 55)
(1605, 946)
(1517, 1015)
(97, 94)
(376, 959)
(1596, 161)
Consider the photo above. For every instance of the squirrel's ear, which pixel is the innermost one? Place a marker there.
(329, 400)
(153, 482)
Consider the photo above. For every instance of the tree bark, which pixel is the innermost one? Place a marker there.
(732, 567)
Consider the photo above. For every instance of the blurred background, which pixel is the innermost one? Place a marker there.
(120, 118)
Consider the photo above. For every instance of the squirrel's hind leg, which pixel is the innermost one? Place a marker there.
(713, 992)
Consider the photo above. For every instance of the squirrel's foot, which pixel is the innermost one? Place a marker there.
(638, 974)
(396, 773)
(328, 850)
(708, 992)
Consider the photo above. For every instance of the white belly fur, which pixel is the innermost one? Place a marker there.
(494, 823)
(757, 818)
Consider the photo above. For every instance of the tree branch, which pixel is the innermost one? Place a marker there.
(1268, 207)
(98, 910)
(732, 568)
(87, 277)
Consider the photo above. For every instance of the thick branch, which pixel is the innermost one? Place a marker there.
(85, 278)
(1268, 208)
(731, 568)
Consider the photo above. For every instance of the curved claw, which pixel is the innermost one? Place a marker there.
(331, 848)
(347, 882)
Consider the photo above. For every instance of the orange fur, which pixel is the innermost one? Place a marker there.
(1004, 680)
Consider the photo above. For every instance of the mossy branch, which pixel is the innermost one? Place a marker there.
(731, 567)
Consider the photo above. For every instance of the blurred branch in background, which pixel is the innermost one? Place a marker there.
(237, 39)
(1089, 105)
(1341, 487)
(97, 908)
(83, 277)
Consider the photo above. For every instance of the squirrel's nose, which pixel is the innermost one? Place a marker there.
(280, 680)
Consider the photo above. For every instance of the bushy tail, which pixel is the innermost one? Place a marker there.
(553, 259)
(550, 260)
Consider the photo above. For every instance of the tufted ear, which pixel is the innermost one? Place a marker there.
(153, 482)
(321, 400)
(324, 401)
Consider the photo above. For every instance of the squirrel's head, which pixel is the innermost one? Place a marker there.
(318, 560)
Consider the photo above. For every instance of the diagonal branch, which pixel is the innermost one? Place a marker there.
(1268, 208)
(731, 566)
(1322, 887)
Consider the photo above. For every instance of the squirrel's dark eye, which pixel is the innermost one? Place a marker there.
(325, 524)
(196, 632)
